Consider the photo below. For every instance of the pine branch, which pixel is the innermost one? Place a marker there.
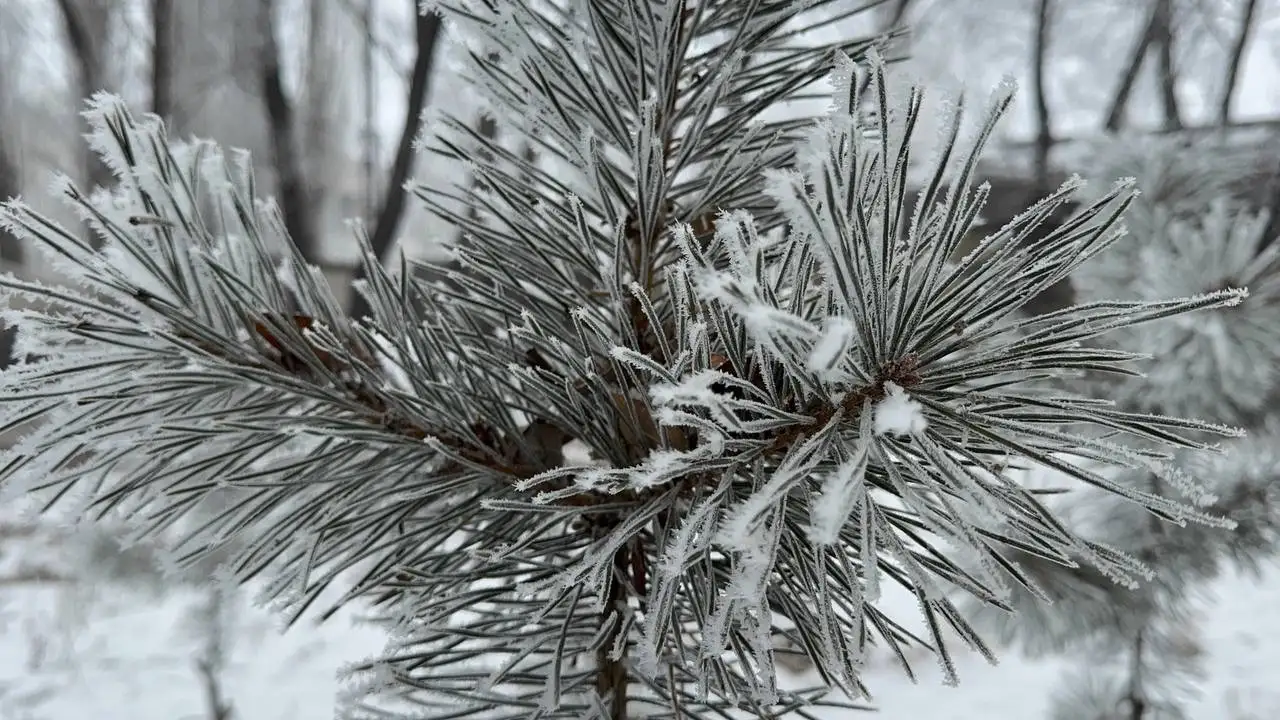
(764, 426)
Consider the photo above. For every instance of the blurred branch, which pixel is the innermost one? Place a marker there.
(210, 664)
(218, 707)
(1232, 79)
(295, 201)
(427, 31)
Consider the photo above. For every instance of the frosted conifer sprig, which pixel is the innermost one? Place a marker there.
(1219, 365)
(721, 382)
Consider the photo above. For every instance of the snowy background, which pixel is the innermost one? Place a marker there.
(78, 640)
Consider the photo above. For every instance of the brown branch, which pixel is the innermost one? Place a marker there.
(427, 30)
(611, 673)
(1231, 81)
(295, 197)
(162, 58)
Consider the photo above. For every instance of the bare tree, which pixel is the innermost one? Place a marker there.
(1044, 129)
(323, 102)
(87, 24)
(1157, 32)
(10, 172)
(1163, 14)
(1236, 59)
(369, 132)
(427, 33)
(294, 193)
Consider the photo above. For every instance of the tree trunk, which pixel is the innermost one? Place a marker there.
(1234, 62)
(11, 255)
(10, 187)
(84, 41)
(295, 200)
(1120, 100)
(370, 132)
(162, 58)
(1044, 129)
(427, 30)
(1168, 74)
(611, 673)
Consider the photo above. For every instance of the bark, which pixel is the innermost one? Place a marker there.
(295, 197)
(1236, 59)
(427, 31)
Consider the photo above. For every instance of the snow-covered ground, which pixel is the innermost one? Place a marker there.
(131, 657)
(1241, 635)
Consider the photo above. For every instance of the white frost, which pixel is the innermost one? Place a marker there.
(843, 490)
(898, 414)
(832, 345)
